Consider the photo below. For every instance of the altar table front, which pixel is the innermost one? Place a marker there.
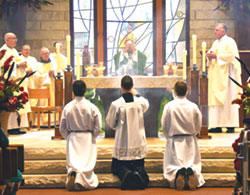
(151, 87)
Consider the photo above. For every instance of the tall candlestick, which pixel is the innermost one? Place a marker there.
(78, 65)
(68, 38)
(194, 39)
(58, 67)
(203, 46)
(184, 65)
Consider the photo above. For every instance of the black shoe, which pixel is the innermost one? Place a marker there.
(127, 180)
(139, 183)
(71, 181)
(15, 132)
(191, 181)
(179, 183)
(215, 130)
(230, 130)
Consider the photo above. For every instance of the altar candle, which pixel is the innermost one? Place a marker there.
(194, 39)
(78, 65)
(68, 38)
(184, 64)
(203, 46)
(58, 57)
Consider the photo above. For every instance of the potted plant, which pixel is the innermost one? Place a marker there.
(12, 94)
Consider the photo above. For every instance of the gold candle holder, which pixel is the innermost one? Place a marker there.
(100, 69)
(89, 69)
(170, 69)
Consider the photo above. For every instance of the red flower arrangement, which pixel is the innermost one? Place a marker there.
(12, 95)
(244, 100)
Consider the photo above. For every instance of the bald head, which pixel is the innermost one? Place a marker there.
(44, 53)
(10, 39)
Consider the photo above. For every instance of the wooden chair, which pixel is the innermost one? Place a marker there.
(43, 93)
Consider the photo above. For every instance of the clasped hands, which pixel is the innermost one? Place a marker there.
(211, 55)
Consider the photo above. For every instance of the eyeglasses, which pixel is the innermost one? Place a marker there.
(13, 38)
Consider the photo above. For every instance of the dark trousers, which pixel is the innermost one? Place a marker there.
(121, 167)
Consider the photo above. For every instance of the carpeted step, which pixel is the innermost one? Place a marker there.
(108, 180)
(105, 152)
(103, 166)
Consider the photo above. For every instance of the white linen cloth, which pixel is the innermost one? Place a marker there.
(81, 115)
(181, 122)
(128, 122)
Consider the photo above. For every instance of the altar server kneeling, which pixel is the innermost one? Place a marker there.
(80, 125)
(181, 122)
(125, 116)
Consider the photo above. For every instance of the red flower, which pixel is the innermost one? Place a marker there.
(25, 94)
(6, 65)
(1, 86)
(24, 97)
(9, 83)
(13, 100)
(237, 101)
(2, 52)
(21, 88)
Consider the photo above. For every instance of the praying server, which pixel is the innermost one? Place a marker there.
(125, 116)
(80, 125)
(181, 122)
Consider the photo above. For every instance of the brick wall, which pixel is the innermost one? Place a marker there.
(44, 27)
(203, 20)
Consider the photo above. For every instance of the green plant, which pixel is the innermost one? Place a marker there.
(10, 6)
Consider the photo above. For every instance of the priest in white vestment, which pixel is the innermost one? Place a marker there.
(31, 63)
(181, 122)
(80, 125)
(19, 71)
(221, 90)
(46, 70)
(125, 116)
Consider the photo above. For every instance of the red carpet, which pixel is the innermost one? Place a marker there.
(112, 191)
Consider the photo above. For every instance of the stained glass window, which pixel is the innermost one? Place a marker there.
(175, 34)
(129, 19)
(83, 27)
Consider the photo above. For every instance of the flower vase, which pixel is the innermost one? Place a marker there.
(4, 118)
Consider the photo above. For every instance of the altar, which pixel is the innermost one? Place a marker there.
(151, 87)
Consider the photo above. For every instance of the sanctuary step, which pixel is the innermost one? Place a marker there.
(45, 160)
